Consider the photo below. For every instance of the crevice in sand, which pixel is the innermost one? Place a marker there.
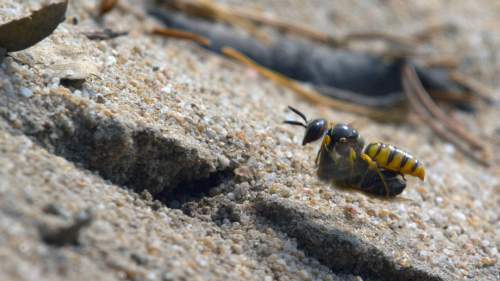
(337, 249)
(128, 154)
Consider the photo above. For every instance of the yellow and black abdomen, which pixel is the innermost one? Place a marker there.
(394, 159)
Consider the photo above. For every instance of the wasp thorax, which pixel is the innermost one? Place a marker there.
(315, 130)
(343, 133)
(343, 138)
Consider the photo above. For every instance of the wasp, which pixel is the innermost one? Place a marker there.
(377, 169)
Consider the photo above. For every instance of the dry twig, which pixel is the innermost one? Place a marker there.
(106, 6)
(426, 111)
(483, 92)
(432, 30)
(104, 34)
(435, 111)
(236, 16)
(448, 62)
(179, 34)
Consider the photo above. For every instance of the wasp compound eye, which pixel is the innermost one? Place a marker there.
(354, 134)
(315, 130)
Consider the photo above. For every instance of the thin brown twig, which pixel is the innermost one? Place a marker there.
(179, 34)
(216, 12)
(431, 30)
(315, 35)
(435, 111)
(480, 90)
(449, 96)
(426, 117)
(376, 35)
(440, 61)
(106, 6)
(310, 95)
(213, 11)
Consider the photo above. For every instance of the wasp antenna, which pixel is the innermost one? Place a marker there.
(298, 113)
(295, 123)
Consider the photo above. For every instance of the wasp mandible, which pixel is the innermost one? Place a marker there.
(378, 169)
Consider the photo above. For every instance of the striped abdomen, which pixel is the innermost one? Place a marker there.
(394, 159)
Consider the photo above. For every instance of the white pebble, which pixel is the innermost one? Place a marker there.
(25, 92)
(223, 161)
(201, 261)
(460, 216)
(167, 89)
(164, 110)
(494, 251)
(56, 81)
(110, 60)
(449, 148)
(152, 276)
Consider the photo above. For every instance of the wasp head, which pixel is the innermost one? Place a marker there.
(315, 129)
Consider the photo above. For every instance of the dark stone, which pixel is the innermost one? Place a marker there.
(66, 235)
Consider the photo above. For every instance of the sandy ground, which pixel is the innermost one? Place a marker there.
(170, 118)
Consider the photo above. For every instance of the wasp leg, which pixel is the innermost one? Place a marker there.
(384, 182)
(372, 165)
(324, 147)
(360, 182)
(386, 187)
(317, 157)
(352, 161)
(395, 183)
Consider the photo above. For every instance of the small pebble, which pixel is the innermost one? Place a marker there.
(487, 261)
(167, 89)
(25, 92)
(449, 148)
(460, 216)
(223, 161)
(110, 60)
(100, 98)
